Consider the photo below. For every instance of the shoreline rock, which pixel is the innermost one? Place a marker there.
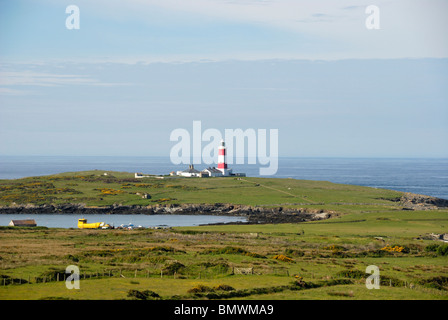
(253, 214)
(413, 201)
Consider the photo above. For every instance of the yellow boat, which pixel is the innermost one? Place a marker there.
(82, 224)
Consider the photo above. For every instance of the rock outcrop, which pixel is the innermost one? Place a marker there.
(414, 201)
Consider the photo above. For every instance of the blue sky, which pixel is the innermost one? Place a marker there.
(136, 70)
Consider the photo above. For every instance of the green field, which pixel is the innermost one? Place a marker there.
(313, 260)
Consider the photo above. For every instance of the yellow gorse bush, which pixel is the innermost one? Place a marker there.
(283, 258)
(108, 191)
(393, 249)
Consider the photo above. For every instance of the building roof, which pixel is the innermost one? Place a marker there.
(23, 222)
(191, 169)
(213, 170)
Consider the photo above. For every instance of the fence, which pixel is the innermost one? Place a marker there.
(202, 273)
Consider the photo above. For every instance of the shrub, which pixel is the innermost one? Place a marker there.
(109, 191)
(352, 274)
(229, 250)
(439, 282)
(200, 289)
(217, 266)
(224, 287)
(4, 279)
(173, 267)
(52, 274)
(442, 250)
(234, 250)
(298, 281)
(143, 295)
(432, 247)
(389, 281)
(72, 258)
(396, 248)
(283, 258)
(335, 247)
(293, 252)
(341, 294)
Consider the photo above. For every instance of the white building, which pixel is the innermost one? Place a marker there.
(190, 172)
(139, 175)
(213, 172)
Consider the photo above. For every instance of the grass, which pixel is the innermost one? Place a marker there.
(93, 188)
(172, 263)
(209, 254)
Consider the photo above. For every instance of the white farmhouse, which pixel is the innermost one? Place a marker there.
(212, 172)
(190, 172)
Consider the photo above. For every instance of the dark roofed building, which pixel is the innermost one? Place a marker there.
(23, 223)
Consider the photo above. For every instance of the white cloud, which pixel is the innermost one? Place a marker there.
(409, 28)
(30, 78)
(178, 30)
(44, 79)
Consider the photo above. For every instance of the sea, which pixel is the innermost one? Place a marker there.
(428, 176)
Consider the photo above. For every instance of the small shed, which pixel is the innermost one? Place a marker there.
(23, 223)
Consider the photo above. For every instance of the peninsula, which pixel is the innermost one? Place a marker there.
(265, 200)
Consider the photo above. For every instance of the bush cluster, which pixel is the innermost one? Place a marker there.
(174, 267)
(283, 258)
(234, 250)
(395, 248)
(143, 295)
(294, 252)
(439, 249)
(204, 289)
(439, 282)
(352, 274)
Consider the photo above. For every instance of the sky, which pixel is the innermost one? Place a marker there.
(136, 70)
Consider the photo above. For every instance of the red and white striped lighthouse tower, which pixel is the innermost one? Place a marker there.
(222, 165)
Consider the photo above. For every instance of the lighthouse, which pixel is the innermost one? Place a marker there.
(222, 164)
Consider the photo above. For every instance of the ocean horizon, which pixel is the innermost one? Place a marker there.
(428, 176)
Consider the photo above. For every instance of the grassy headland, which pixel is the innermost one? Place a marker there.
(94, 188)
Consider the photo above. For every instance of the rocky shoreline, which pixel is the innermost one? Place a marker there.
(412, 201)
(253, 214)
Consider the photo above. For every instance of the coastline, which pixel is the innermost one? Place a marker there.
(254, 215)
